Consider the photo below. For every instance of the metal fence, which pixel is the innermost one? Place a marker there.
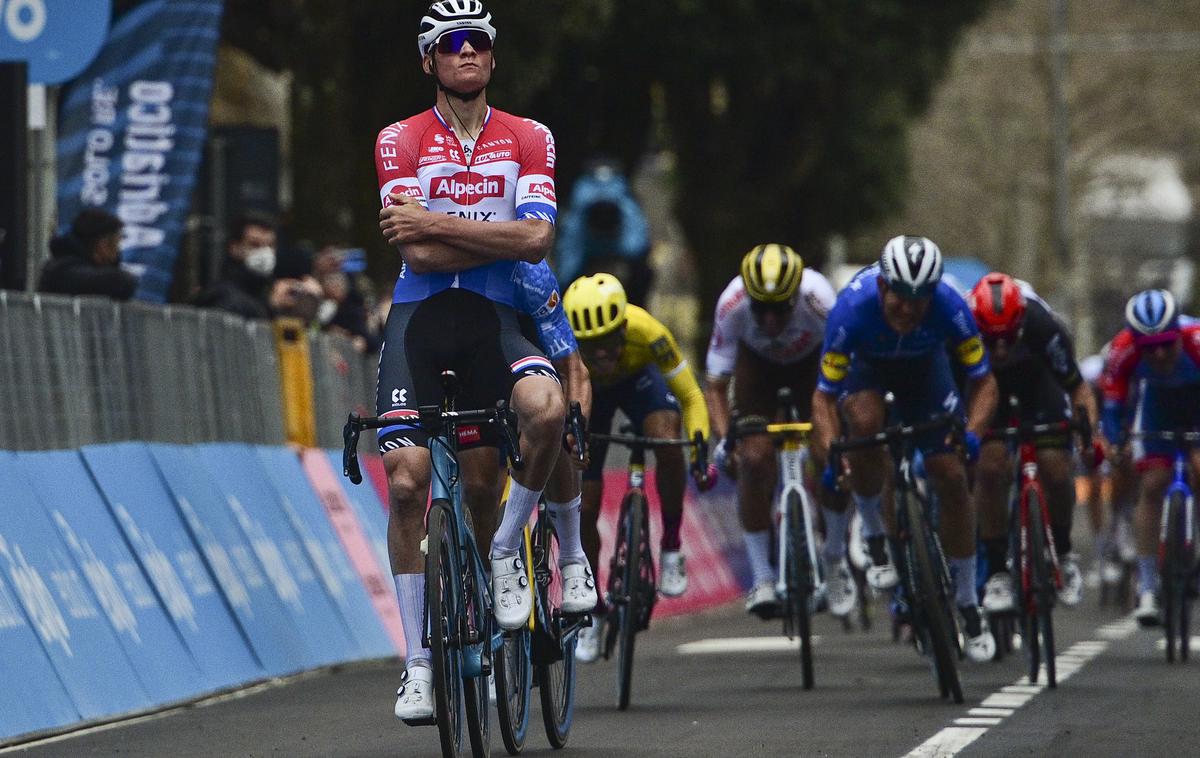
(78, 371)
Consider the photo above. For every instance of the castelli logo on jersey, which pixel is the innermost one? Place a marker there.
(545, 189)
(466, 188)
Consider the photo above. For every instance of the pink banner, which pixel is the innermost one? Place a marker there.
(710, 580)
(376, 578)
(372, 465)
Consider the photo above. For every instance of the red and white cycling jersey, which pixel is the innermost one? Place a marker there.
(506, 175)
(734, 324)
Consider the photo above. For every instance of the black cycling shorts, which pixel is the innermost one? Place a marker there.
(482, 341)
(757, 381)
(1040, 400)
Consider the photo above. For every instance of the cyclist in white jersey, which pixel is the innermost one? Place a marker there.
(468, 193)
(767, 334)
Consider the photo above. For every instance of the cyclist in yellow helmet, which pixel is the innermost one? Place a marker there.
(635, 365)
(767, 334)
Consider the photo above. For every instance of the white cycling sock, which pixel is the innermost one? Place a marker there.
(836, 524)
(758, 549)
(962, 572)
(521, 502)
(1147, 569)
(871, 513)
(410, 591)
(566, 526)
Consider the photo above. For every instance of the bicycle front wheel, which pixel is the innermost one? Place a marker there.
(931, 599)
(1173, 576)
(513, 670)
(1042, 623)
(629, 600)
(556, 675)
(442, 588)
(799, 586)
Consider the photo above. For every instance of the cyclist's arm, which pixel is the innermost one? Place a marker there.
(984, 394)
(577, 383)
(716, 396)
(827, 426)
(442, 242)
(1122, 359)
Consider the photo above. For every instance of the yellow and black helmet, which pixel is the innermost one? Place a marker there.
(595, 305)
(771, 272)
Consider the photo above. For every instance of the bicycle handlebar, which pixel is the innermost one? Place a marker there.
(1177, 435)
(898, 432)
(633, 440)
(433, 420)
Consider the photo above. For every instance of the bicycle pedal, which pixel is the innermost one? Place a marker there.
(431, 721)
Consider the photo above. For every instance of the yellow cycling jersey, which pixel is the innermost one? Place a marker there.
(647, 342)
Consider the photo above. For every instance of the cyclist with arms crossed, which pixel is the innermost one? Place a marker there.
(1159, 359)
(1033, 358)
(767, 334)
(468, 193)
(636, 366)
(889, 332)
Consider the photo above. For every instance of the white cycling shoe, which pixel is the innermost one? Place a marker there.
(881, 571)
(511, 598)
(980, 645)
(587, 644)
(1071, 593)
(579, 587)
(998, 594)
(672, 580)
(1147, 613)
(840, 591)
(414, 699)
(762, 601)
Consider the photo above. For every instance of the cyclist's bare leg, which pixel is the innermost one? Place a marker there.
(541, 410)
(408, 472)
(563, 499)
(670, 475)
(1146, 521)
(483, 486)
(993, 477)
(1055, 469)
(757, 472)
(870, 467)
(948, 474)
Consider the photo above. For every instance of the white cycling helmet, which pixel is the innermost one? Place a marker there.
(911, 265)
(1152, 312)
(448, 15)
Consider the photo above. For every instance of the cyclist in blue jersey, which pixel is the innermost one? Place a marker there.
(892, 330)
(537, 299)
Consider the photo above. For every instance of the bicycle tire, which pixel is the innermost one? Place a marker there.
(1172, 575)
(556, 679)
(629, 540)
(441, 606)
(1042, 622)
(476, 697)
(513, 669)
(800, 586)
(932, 596)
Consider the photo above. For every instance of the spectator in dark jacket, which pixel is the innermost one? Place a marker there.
(246, 271)
(87, 260)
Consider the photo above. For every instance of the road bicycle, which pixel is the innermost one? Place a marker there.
(1177, 546)
(459, 627)
(543, 652)
(924, 577)
(632, 587)
(1032, 551)
(799, 583)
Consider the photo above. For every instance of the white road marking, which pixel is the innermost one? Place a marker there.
(720, 645)
(1162, 644)
(1002, 704)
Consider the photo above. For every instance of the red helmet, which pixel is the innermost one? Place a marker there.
(998, 305)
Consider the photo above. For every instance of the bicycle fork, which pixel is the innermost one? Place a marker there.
(1189, 515)
(792, 475)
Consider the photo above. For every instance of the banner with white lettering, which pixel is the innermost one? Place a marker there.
(132, 130)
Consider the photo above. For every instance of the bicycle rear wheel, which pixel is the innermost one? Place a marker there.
(932, 597)
(799, 586)
(628, 599)
(513, 669)
(442, 587)
(555, 674)
(1041, 623)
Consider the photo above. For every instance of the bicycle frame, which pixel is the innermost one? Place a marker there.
(1030, 484)
(791, 478)
(1179, 484)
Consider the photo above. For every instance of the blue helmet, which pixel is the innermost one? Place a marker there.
(1152, 312)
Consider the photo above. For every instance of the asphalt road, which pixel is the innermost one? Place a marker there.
(873, 697)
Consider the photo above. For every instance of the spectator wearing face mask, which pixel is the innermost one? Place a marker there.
(245, 286)
(87, 260)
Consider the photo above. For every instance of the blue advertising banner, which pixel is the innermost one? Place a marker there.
(132, 129)
(259, 592)
(307, 515)
(65, 613)
(144, 510)
(256, 507)
(58, 38)
(365, 503)
(76, 508)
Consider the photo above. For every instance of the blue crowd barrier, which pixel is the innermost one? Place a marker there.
(248, 490)
(304, 510)
(154, 646)
(142, 507)
(74, 632)
(248, 587)
(363, 499)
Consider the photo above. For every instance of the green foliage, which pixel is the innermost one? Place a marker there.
(788, 117)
